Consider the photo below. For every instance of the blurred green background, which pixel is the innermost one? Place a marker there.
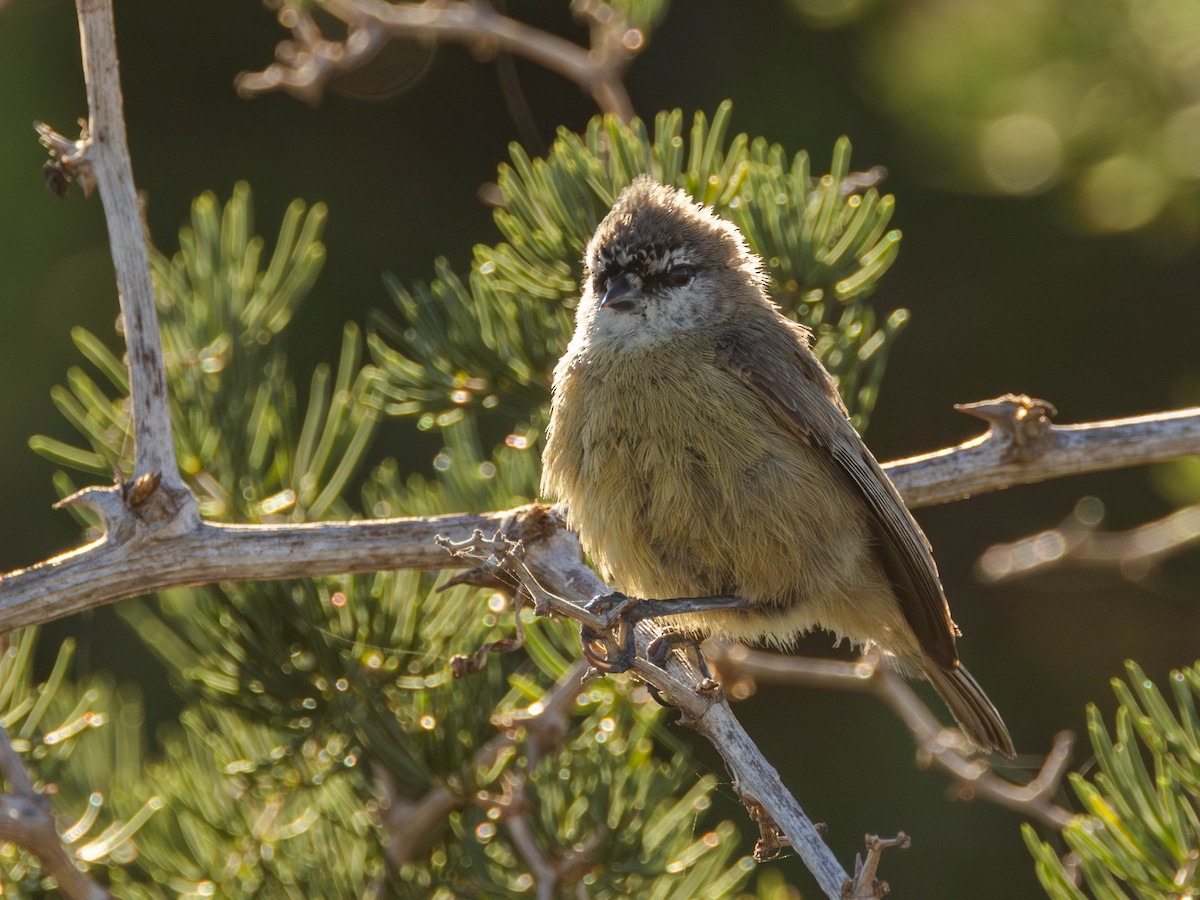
(1045, 157)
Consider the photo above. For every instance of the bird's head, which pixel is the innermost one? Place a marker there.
(660, 264)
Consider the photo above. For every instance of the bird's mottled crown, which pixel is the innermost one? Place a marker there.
(652, 226)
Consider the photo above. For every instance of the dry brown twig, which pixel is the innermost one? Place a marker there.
(865, 885)
(937, 745)
(307, 62)
(543, 725)
(550, 871)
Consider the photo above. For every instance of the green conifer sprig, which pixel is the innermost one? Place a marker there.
(222, 305)
(246, 812)
(1139, 834)
(76, 753)
(489, 341)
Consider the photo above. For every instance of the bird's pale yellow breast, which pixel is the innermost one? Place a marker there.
(649, 444)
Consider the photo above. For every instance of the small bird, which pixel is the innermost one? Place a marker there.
(704, 451)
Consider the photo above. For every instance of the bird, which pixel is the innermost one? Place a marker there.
(702, 450)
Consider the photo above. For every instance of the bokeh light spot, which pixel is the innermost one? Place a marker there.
(1021, 153)
(1121, 194)
(1181, 142)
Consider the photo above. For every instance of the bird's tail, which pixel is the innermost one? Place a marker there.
(975, 713)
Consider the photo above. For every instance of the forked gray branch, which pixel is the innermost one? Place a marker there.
(548, 561)
(305, 64)
(1022, 446)
(187, 551)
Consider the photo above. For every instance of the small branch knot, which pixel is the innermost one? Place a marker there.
(144, 508)
(865, 886)
(464, 664)
(1025, 421)
(135, 493)
(69, 160)
(159, 510)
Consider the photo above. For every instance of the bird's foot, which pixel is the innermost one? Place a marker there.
(610, 605)
(685, 642)
(610, 647)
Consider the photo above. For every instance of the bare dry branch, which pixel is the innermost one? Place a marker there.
(944, 747)
(101, 158)
(141, 553)
(1022, 446)
(26, 820)
(305, 64)
(1078, 541)
(125, 564)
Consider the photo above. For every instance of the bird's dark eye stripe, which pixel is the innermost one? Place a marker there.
(679, 274)
(676, 276)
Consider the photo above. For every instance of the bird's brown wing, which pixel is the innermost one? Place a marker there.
(773, 360)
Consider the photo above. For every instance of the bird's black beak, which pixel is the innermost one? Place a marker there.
(621, 293)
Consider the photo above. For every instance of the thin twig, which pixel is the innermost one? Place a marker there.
(306, 64)
(1078, 541)
(944, 747)
(544, 870)
(26, 820)
(103, 153)
(865, 885)
(1022, 446)
(549, 870)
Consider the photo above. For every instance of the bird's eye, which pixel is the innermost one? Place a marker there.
(679, 275)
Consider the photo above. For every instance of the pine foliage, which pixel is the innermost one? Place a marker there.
(82, 744)
(488, 341)
(1139, 834)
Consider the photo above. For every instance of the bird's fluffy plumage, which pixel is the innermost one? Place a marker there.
(705, 451)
